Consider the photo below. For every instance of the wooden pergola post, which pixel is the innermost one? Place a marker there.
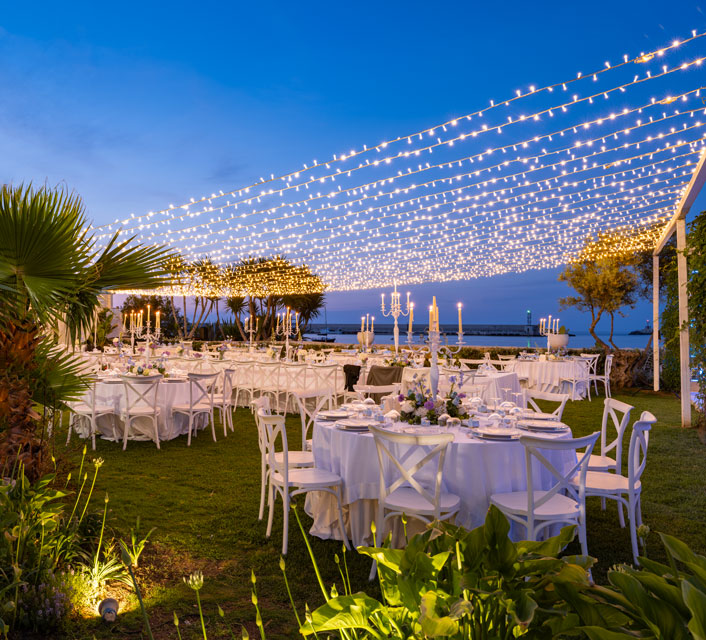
(678, 224)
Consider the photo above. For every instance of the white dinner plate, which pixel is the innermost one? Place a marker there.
(496, 433)
(536, 415)
(542, 426)
(353, 425)
(333, 415)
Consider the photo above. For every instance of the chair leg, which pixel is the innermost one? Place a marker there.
(285, 523)
(633, 528)
(582, 536)
(93, 432)
(68, 435)
(638, 510)
(263, 487)
(213, 424)
(602, 504)
(621, 517)
(155, 424)
(126, 428)
(271, 496)
(188, 438)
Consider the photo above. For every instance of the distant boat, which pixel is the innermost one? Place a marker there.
(642, 332)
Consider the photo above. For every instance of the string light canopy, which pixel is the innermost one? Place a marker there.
(251, 277)
(527, 182)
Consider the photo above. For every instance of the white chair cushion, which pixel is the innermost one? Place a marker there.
(407, 500)
(516, 502)
(600, 482)
(141, 411)
(296, 458)
(309, 478)
(85, 409)
(598, 463)
(185, 408)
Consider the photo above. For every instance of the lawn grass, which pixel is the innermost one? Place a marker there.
(203, 501)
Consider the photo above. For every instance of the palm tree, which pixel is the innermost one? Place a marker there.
(50, 270)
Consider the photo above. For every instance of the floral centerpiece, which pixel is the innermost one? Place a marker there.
(396, 361)
(270, 352)
(419, 403)
(144, 369)
(221, 348)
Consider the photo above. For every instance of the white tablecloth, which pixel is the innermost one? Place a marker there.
(497, 384)
(111, 392)
(547, 375)
(473, 470)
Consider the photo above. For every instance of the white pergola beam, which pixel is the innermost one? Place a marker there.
(695, 185)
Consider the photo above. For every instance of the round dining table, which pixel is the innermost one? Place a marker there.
(111, 392)
(474, 469)
(552, 375)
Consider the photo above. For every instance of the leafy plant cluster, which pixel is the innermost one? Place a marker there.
(54, 554)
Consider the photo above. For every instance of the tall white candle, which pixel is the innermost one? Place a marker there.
(460, 321)
(411, 316)
(362, 324)
(367, 322)
(372, 326)
(382, 299)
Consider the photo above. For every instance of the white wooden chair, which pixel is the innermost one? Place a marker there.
(592, 362)
(603, 378)
(223, 401)
(140, 403)
(562, 398)
(201, 401)
(287, 482)
(626, 490)
(311, 400)
(411, 456)
(580, 373)
(243, 381)
(293, 379)
(564, 502)
(295, 459)
(91, 410)
(611, 410)
(267, 380)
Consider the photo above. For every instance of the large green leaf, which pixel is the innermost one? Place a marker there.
(597, 633)
(433, 625)
(695, 600)
(344, 612)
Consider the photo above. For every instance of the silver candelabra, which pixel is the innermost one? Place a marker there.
(285, 328)
(251, 329)
(395, 312)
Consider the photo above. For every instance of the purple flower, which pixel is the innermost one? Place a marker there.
(429, 405)
(400, 398)
(461, 395)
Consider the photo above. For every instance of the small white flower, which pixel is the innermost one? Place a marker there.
(406, 407)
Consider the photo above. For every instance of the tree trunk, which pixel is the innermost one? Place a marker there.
(180, 335)
(219, 327)
(592, 330)
(186, 329)
(610, 338)
(18, 441)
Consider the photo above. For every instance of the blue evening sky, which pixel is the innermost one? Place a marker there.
(138, 105)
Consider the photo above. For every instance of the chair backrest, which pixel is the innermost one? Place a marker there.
(506, 357)
(324, 376)
(592, 361)
(268, 374)
(608, 365)
(140, 391)
(261, 404)
(637, 453)
(294, 375)
(244, 374)
(562, 398)
(201, 387)
(273, 429)
(535, 448)
(228, 376)
(612, 408)
(410, 454)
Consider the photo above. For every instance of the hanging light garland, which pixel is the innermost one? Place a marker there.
(550, 176)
